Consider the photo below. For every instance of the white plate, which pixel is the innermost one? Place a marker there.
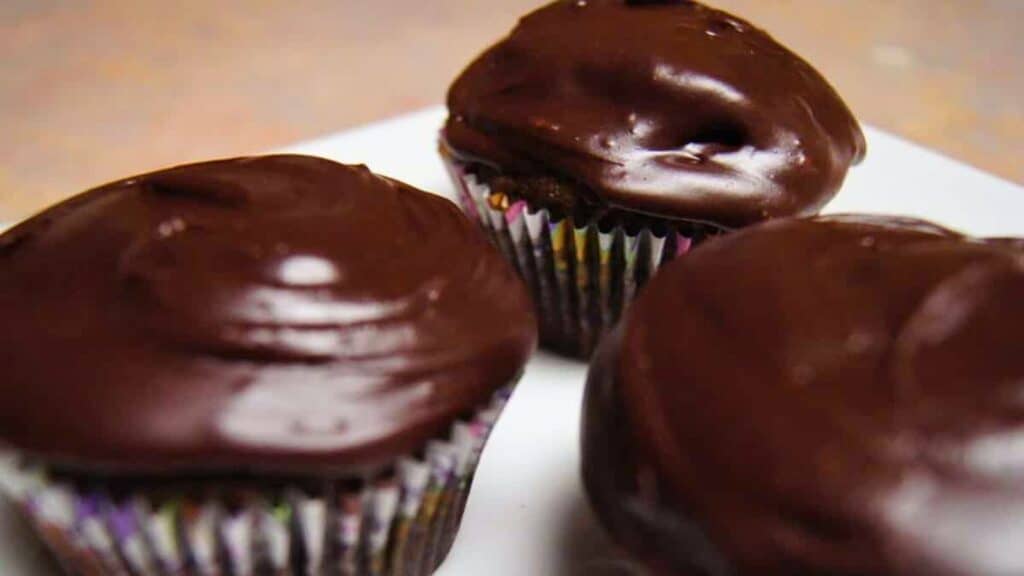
(527, 513)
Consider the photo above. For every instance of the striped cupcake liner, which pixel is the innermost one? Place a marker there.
(399, 524)
(582, 277)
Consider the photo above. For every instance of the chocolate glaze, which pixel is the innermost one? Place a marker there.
(668, 108)
(839, 396)
(279, 313)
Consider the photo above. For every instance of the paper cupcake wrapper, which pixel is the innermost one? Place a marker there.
(401, 524)
(582, 277)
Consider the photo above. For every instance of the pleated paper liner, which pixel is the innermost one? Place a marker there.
(582, 276)
(399, 524)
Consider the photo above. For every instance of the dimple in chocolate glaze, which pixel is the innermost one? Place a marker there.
(281, 313)
(672, 109)
(818, 397)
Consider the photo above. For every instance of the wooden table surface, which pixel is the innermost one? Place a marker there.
(94, 90)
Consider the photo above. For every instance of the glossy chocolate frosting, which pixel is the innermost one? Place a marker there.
(668, 108)
(835, 396)
(278, 313)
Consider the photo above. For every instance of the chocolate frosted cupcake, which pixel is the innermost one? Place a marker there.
(817, 397)
(603, 138)
(273, 365)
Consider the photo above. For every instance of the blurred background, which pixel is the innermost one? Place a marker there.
(94, 90)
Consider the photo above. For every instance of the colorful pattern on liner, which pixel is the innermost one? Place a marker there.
(582, 278)
(399, 525)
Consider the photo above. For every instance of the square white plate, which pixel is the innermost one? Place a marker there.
(527, 513)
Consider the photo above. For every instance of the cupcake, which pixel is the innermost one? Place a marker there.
(817, 397)
(603, 138)
(270, 365)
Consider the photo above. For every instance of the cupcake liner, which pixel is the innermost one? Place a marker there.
(399, 524)
(582, 277)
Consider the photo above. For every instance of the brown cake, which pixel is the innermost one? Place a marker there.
(262, 365)
(822, 397)
(602, 138)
